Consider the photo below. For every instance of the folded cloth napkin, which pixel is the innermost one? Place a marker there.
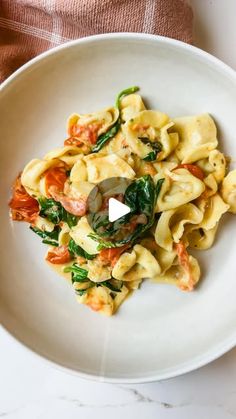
(29, 27)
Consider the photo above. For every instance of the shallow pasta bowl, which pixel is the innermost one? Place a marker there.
(159, 332)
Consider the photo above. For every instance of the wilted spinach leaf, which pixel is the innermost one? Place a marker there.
(104, 138)
(76, 250)
(102, 244)
(78, 274)
(54, 212)
(113, 284)
(156, 147)
(124, 93)
(140, 196)
(158, 186)
(151, 156)
(48, 237)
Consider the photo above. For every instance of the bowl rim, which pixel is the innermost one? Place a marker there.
(227, 344)
(120, 35)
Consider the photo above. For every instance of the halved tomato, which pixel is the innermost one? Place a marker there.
(58, 255)
(83, 134)
(23, 206)
(55, 177)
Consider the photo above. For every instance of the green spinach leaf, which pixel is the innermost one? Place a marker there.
(50, 209)
(124, 93)
(158, 186)
(54, 212)
(102, 244)
(113, 284)
(156, 147)
(78, 274)
(48, 237)
(151, 156)
(104, 138)
(140, 196)
(76, 250)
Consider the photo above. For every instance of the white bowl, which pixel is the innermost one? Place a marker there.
(159, 332)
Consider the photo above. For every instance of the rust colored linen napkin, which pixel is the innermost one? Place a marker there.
(29, 27)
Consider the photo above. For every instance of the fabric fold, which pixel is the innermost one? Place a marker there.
(29, 27)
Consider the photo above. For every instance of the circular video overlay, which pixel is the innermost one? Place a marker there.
(113, 210)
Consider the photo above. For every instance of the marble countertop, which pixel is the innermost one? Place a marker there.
(31, 388)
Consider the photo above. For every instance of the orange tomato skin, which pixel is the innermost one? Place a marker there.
(183, 257)
(83, 133)
(111, 256)
(23, 206)
(193, 169)
(55, 177)
(58, 255)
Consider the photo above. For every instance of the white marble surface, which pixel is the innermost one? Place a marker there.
(30, 388)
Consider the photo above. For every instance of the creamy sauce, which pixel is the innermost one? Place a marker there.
(59, 269)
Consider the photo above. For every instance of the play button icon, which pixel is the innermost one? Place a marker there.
(116, 209)
(107, 212)
(119, 210)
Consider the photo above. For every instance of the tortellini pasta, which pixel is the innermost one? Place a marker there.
(183, 279)
(104, 119)
(119, 147)
(80, 234)
(179, 187)
(201, 238)
(100, 168)
(79, 171)
(211, 186)
(44, 224)
(145, 124)
(68, 154)
(174, 179)
(215, 164)
(130, 106)
(168, 141)
(164, 257)
(197, 137)
(138, 264)
(171, 224)
(214, 207)
(32, 177)
(64, 235)
(100, 299)
(229, 190)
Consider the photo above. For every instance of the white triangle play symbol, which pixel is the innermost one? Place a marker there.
(116, 209)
